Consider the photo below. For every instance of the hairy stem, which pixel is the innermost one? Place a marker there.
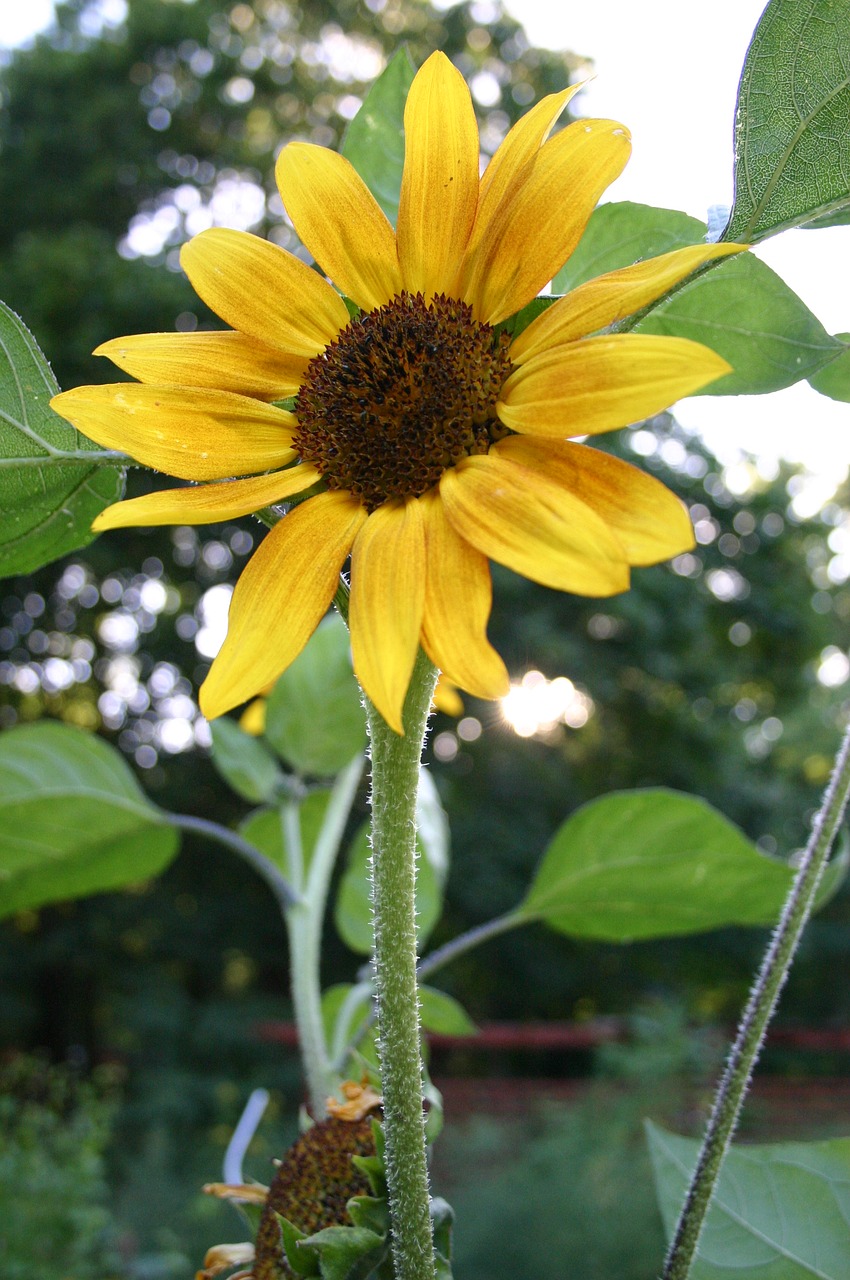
(395, 781)
(754, 1023)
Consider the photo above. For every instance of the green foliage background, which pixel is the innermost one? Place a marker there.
(690, 673)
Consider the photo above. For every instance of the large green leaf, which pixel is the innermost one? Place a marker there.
(621, 233)
(792, 143)
(374, 141)
(53, 481)
(652, 864)
(315, 716)
(833, 379)
(748, 315)
(353, 908)
(73, 820)
(780, 1212)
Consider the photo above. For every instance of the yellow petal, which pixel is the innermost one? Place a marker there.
(516, 153)
(524, 240)
(533, 526)
(611, 297)
(649, 521)
(439, 186)
(262, 290)
(208, 503)
(458, 595)
(598, 384)
(387, 599)
(227, 361)
(193, 434)
(282, 595)
(339, 220)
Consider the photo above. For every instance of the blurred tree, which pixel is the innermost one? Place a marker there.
(139, 134)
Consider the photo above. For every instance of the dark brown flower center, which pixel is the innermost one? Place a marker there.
(403, 393)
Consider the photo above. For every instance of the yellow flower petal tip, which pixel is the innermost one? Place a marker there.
(424, 442)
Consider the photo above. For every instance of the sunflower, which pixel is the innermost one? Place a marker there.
(423, 441)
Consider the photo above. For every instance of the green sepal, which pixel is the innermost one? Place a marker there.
(370, 1212)
(373, 1166)
(304, 1261)
(346, 1253)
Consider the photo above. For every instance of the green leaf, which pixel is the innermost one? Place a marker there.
(315, 717)
(374, 141)
(780, 1212)
(748, 315)
(792, 144)
(833, 379)
(53, 481)
(621, 233)
(432, 868)
(652, 864)
(244, 762)
(444, 1014)
(344, 1010)
(265, 830)
(353, 909)
(73, 819)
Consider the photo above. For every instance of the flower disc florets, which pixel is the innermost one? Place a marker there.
(403, 393)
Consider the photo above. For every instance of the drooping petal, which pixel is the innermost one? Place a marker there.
(339, 220)
(458, 595)
(262, 290)
(208, 503)
(228, 361)
(191, 433)
(439, 186)
(599, 384)
(280, 598)
(600, 302)
(650, 522)
(387, 599)
(516, 153)
(524, 240)
(533, 526)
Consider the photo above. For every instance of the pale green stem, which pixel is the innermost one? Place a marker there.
(304, 926)
(395, 781)
(472, 938)
(757, 1015)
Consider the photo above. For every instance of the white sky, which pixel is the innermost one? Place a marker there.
(669, 70)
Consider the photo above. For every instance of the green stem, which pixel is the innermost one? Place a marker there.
(285, 895)
(757, 1015)
(304, 927)
(395, 782)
